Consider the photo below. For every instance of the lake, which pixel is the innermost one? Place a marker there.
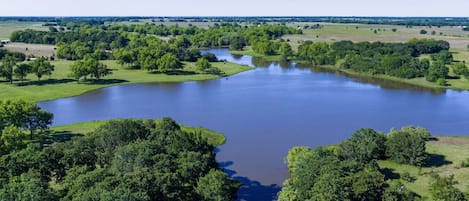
(266, 111)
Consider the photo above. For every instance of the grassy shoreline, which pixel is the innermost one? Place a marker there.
(446, 155)
(460, 84)
(61, 86)
(214, 138)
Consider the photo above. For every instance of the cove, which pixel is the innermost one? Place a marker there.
(266, 111)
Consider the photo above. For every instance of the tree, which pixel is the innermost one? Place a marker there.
(285, 50)
(217, 186)
(423, 31)
(23, 114)
(28, 186)
(41, 67)
(12, 138)
(437, 70)
(461, 69)
(168, 62)
(89, 66)
(398, 192)
(202, 65)
(22, 70)
(443, 189)
(37, 120)
(368, 184)
(6, 69)
(79, 69)
(363, 146)
(404, 147)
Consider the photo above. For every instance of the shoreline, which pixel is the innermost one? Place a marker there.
(55, 91)
(417, 82)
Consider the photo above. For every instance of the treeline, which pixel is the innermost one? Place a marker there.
(377, 58)
(349, 170)
(410, 21)
(138, 47)
(13, 65)
(120, 160)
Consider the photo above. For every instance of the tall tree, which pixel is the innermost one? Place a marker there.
(41, 67)
(168, 62)
(22, 70)
(6, 69)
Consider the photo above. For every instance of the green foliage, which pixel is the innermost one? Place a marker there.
(202, 65)
(216, 186)
(41, 67)
(28, 186)
(12, 139)
(168, 62)
(406, 147)
(465, 163)
(89, 66)
(443, 189)
(423, 31)
(398, 192)
(436, 71)
(22, 70)
(363, 146)
(6, 68)
(461, 69)
(23, 114)
(444, 56)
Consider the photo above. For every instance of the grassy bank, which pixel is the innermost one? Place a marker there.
(60, 85)
(77, 129)
(446, 155)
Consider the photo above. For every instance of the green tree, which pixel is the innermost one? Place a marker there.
(28, 186)
(460, 69)
(12, 138)
(285, 50)
(217, 186)
(437, 70)
(22, 70)
(404, 147)
(42, 67)
(368, 184)
(443, 189)
(202, 65)
(168, 62)
(398, 192)
(6, 69)
(363, 146)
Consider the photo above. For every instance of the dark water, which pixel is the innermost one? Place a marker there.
(266, 111)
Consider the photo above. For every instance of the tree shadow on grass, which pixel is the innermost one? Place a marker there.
(45, 82)
(251, 190)
(436, 160)
(59, 136)
(180, 72)
(390, 174)
(105, 81)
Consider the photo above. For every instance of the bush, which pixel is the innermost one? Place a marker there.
(465, 163)
(423, 31)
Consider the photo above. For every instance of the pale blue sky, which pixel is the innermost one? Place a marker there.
(234, 8)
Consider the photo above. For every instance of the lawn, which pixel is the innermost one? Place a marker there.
(446, 155)
(60, 85)
(67, 131)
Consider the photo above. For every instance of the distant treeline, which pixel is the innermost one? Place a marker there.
(409, 21)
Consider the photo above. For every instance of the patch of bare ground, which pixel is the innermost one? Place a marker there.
(37, 50)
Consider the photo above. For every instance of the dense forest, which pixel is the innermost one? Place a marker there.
(349, 170)
(120, 160)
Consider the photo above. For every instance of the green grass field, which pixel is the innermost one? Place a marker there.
(446, 155)
(60, 85)
(8, 27)
(213, 137)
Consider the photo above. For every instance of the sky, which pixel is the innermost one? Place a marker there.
(403, 8)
